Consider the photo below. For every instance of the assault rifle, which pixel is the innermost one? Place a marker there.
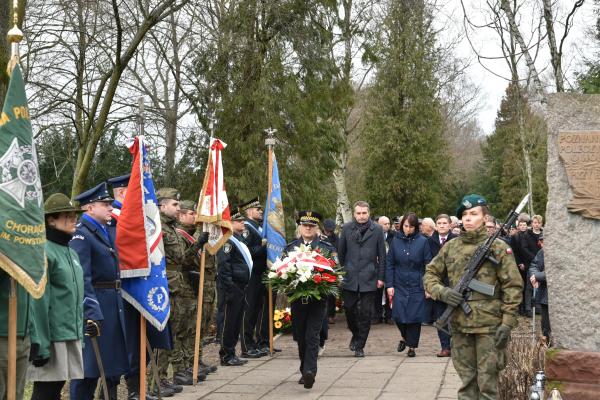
(467, 280)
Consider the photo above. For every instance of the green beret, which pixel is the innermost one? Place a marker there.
(58, 203)
(167, 193)
(470, 201)
(187, 205)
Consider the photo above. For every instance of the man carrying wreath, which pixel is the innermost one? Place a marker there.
(308, 274)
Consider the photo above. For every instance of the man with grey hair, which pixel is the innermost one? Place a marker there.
(427, 227)
(361, 252)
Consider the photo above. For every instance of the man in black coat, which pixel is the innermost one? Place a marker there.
(383, 312)
(441, 235)
(525, 246)
(361, 251)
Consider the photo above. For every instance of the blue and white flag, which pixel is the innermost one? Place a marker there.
(273, 222)
(140, 245)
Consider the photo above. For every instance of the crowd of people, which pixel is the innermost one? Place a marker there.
(400, 271)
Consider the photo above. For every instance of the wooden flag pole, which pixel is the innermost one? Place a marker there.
(11, 386)
(270, 141)
(199, 318)
(142, 357)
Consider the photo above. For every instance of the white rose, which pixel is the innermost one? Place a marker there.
(272, 275)
(284, 275)
(302, 278)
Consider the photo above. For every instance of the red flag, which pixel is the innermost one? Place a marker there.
(213, 205)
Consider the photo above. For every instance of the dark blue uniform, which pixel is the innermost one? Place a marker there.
(102, 302)
(308, 316)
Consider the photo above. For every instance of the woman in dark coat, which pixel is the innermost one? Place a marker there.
(406, 260)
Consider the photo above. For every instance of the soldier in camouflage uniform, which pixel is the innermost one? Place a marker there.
(187, 228)
(178, 257)
(479, 339)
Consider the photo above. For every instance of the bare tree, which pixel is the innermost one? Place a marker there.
(76, 63)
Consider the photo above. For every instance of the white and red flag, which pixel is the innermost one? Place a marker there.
(213, 205)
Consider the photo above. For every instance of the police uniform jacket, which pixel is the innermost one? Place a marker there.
(158, 339)
(233, 273)
(253, 239)
(406, 262)
(488, 312)
(99, 261)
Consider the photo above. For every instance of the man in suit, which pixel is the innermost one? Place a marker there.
(383, 312)
(102, 301)
(361, 251)
(438, 239)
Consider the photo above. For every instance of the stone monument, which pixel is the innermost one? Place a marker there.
(572, 245)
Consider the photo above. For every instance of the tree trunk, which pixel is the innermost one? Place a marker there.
(339, 178)
(555, 56)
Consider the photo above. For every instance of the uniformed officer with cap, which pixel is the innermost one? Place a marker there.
(255, 331)
(156, 338)
(308, 314)
(233, 273)
(188, 229)
(102, 301)
(183, 301)
(479, 339)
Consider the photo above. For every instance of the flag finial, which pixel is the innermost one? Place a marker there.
(15, 35)
(270, 140)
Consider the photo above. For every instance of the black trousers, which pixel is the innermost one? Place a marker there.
(255, 331)
(47, 390)
(331, 300)
(307, 321)
(233, 308)
(411, 333)
(438, 309)
(545, 320)
(359, 312)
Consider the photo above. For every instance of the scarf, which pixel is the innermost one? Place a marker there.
(58, 237)
(359, 230)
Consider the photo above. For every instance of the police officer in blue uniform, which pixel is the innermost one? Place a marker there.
(157, 339)
(103, 311)
(308, 314)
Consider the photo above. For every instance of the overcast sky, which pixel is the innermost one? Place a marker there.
(487, 43)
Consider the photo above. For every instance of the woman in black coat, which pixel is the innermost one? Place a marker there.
(406, 261)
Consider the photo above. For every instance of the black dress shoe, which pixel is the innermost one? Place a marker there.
(252, 353)
(265, 351)
(401, 346)
(411, 352)
(301, 381)
(359, 353)
(309, 379)
(352, 346)
(233, 362)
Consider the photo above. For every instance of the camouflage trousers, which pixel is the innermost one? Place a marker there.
(208, 308)
(183, 326)
(477, 362)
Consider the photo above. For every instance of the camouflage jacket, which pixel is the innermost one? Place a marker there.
(177, 258)
(488, 311)
(210, 267)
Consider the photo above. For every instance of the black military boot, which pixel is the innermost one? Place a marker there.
(183, 378)
(209, 368)
(201, 374)
(166, 389)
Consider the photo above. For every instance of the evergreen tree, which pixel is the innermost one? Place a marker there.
(405, 153)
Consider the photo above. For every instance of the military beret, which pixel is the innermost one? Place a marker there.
(254, 203)
(470, 201)
(97, 193)
(119, 181)
(167, 193)
(58, 203)
(187, 205)
(308, 218)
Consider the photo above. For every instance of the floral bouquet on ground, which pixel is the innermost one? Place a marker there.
(282, 321)
(306, 273)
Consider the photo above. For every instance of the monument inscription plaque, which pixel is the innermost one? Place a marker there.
(580, 153)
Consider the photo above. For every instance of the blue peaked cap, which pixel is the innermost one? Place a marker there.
(97, 193)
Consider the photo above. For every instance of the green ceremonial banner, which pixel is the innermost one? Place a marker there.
(22, 230)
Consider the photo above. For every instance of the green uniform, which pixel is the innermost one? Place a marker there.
(59, 312)
(474, 355)
(24, 325)
(183, 301)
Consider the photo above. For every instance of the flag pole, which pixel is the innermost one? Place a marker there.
(143, 336)
(199, 318)
(270, 142)
(14, 37)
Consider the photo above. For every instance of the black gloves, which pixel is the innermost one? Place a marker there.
(502, 337)
(92, 328)
(202, 239)
(451, 297)
(36, 360)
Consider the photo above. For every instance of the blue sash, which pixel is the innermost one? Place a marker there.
(243, 249)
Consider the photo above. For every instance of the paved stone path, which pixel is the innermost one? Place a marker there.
(383, 374)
